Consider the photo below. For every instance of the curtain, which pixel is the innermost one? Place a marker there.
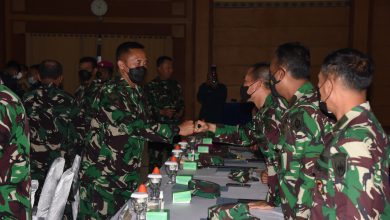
(69, 48)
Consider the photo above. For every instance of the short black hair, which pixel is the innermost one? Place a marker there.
(125, 47)
(352, 66)
(295, 58)
(260, 71)
(162, 59)
(50, 69)
(91, 60)
(13, 64)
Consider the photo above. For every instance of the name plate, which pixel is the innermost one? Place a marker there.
(203, 149)
(182, 197)
(183, 180)
(207, 141)
(190, 166)
(157, 215)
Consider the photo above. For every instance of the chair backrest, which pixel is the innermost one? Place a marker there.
(34, 188)
(49, 187)
(75, 186)
(58, 203)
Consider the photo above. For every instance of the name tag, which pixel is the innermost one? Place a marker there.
(190, 166)
(183, 180)
(207, 141)
(203, 149)
(182, 197)
(157, 215)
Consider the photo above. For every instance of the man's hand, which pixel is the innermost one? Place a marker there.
(264, 176)
(167, 112)
(260, 205)
(201, 126)
(186, 128)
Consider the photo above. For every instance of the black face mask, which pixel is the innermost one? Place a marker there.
(84, 75)
(272, 85)
(137, 75)
(244, 92)
(324, 108)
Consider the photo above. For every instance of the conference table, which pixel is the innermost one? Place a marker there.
(198, 208)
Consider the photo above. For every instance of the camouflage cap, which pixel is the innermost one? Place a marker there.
(236, 211)
(204, 189)
(240, 175)
(206, 160)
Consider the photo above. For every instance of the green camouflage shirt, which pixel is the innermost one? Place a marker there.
(84, 97)
(120, 126)
(53, 134)
(14, 158)
(164, 94)
(264, 130)
(352, 175)
(304, 132)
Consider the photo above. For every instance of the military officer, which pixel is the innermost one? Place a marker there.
(263, 130)
(51, 118)
(119, 127)
(304, 128)
(352, 175)
(14, 158)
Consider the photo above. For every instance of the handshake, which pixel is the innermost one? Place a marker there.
(199, 126)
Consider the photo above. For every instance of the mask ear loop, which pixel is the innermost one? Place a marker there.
(252, 85)
(330, 90)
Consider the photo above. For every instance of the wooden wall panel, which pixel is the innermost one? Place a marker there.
(380, 47)
(2, 34)
(127, 8)
(243, 36)
(138, 17)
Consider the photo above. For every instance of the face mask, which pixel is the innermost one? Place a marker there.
(323, 107)
(244, 92)
(85, 75)
(31, 80)
(272, 85)
(137, 74)
(19, 75)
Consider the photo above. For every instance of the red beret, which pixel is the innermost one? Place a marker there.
(105, 64)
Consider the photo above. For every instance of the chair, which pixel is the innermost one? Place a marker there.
(57, 206)
(75, 186)
(49, 187)
(34, 188)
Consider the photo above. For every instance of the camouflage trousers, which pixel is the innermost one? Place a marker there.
(99, 201)
(288, 201)
(273, 197)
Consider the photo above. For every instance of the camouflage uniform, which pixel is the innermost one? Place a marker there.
(238, 211)
(264, 129)
(84, 97)
(164, 94)
(14, 158)
(119, 127)
(352, 174)
(79, 93)
(304, 128)
(51, 118)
